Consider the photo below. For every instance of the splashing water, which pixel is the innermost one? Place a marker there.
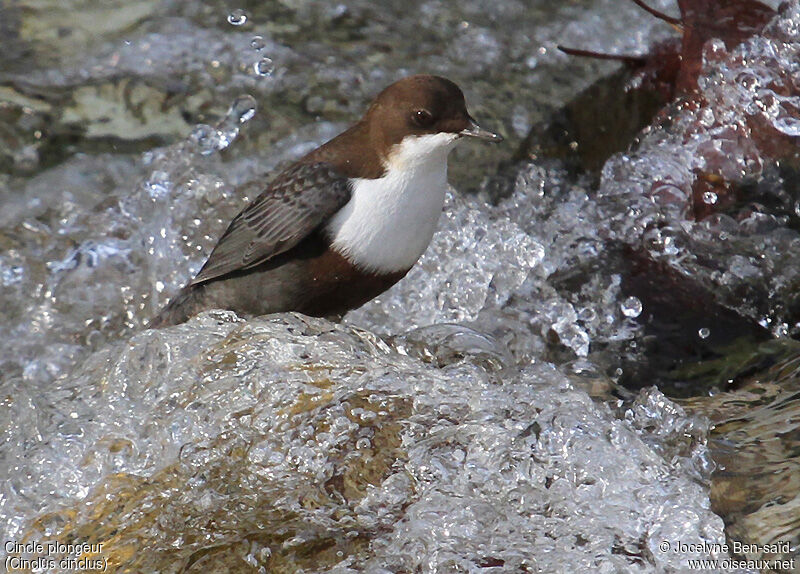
(445, 426)
(209, 139)
(335, 437)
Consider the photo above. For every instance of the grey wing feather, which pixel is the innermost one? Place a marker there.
(293, 205)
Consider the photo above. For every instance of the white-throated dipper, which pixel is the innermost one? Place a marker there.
(345, 222)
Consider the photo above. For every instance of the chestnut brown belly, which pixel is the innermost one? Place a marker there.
(336, 286)
(311, 278)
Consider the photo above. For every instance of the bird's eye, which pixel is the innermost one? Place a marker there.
(423, 118)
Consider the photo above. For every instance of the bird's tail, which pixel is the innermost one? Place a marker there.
(185, 305)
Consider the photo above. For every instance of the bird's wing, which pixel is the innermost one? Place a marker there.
(293, 205)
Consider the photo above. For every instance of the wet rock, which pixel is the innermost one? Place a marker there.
(754, 443)
(287, 442)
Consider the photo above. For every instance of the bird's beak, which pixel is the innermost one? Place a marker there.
(475, 131)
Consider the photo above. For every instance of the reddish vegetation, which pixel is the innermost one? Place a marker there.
(732, 21)
(673, 66)
(672, 69)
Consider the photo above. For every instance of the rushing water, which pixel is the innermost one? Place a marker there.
(470, 418)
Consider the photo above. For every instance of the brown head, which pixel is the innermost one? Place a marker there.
(414, 106)
(421, 105)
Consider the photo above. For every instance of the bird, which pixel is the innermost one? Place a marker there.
(346, 221)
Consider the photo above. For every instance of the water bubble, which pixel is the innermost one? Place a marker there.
(264, 67)
(587, 315)
(710, 198)
(258, 43)
(237, 17)
(631, 307)
(704, 332)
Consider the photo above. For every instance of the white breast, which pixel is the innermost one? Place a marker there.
(389, 222)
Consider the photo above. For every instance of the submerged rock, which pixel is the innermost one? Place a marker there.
(288, 442)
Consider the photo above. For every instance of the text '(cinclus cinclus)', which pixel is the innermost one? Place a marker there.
(345, 222)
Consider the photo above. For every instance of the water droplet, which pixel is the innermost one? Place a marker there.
(243, 108)
(631, 307)
(258, 43)
(710, 198)
(264, 67)
(704, 333)
(237, 17)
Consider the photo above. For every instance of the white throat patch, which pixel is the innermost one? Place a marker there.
(389, 222)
